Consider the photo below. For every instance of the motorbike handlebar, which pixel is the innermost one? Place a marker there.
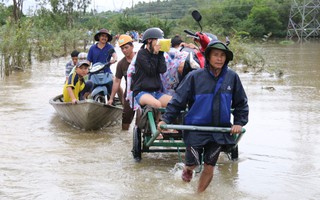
(195, 37)
(190, 33)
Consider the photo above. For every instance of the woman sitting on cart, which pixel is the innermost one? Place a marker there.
(210, 93)
(149, 63)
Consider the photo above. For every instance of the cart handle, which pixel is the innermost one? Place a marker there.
(198, 128)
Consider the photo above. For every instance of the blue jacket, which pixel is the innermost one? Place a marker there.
(209, 101)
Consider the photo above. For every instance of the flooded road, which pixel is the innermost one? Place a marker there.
(44, 158)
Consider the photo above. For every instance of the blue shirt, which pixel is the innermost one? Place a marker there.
(103, 55)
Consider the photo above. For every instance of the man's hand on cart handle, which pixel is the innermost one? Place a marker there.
(159, 124)
(236, 129)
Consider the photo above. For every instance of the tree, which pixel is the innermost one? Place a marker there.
(262, 21)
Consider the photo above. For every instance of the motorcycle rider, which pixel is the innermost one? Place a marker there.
(126, 44)
(102, 51)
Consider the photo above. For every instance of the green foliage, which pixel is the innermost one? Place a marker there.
(15, 45)
(263, 20)
(165, 25)
(57, 30)
(125, 23)
(4, 14)
(171, 10)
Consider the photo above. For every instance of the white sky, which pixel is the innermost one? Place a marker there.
(100, 5)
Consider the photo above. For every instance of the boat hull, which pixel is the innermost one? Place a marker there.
(88, 114)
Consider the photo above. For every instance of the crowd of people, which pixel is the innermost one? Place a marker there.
(153, 78)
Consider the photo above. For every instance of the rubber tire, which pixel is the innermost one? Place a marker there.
(136, 149)
(234, 153)
(99, 98)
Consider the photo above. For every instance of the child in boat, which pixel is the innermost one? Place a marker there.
(76, 88)
(81, 57)
(72, 63)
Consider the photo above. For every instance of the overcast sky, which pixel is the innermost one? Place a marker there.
(100, 5)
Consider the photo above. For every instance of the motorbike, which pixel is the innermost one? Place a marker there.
(196, 59)
(102, 82)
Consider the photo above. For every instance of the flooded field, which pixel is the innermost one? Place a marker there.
(42, 157)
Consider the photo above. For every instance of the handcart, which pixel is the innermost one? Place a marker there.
(145, 135)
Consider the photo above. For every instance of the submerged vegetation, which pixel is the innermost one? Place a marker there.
(58, 27)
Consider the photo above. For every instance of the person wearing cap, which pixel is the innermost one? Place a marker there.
(76, 88)
(126, 44)
(72, 63)
(210, 94)
(102, 51)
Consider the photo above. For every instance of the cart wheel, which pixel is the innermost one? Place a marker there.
(136, 150)
(234, 153)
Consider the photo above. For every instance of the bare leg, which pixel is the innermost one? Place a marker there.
(205, 178)
(148, 99)
(85, 95)
(120, 95)
(165, 100)
(125, 126)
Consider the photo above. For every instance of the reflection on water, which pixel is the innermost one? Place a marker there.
(44, 158)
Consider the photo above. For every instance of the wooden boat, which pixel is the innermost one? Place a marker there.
(87, 114)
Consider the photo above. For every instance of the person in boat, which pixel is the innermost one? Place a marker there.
(145, 81)
(126, 44)
(72, 63)
(210, 93)
(102, 51)
(81, 57)
(76, 88)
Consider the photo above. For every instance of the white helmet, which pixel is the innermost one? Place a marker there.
(82, 56)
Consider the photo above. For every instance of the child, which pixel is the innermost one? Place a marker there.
(81, 57)
(76, 88)
(72, 63)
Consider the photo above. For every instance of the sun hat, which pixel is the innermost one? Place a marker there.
(102, 31)
(216, 44)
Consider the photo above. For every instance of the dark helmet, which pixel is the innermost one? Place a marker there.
(101, 31)
(152, 33)
(216, 44)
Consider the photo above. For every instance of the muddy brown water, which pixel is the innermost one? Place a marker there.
(42, 157)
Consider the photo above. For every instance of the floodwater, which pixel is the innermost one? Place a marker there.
(42, 157)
